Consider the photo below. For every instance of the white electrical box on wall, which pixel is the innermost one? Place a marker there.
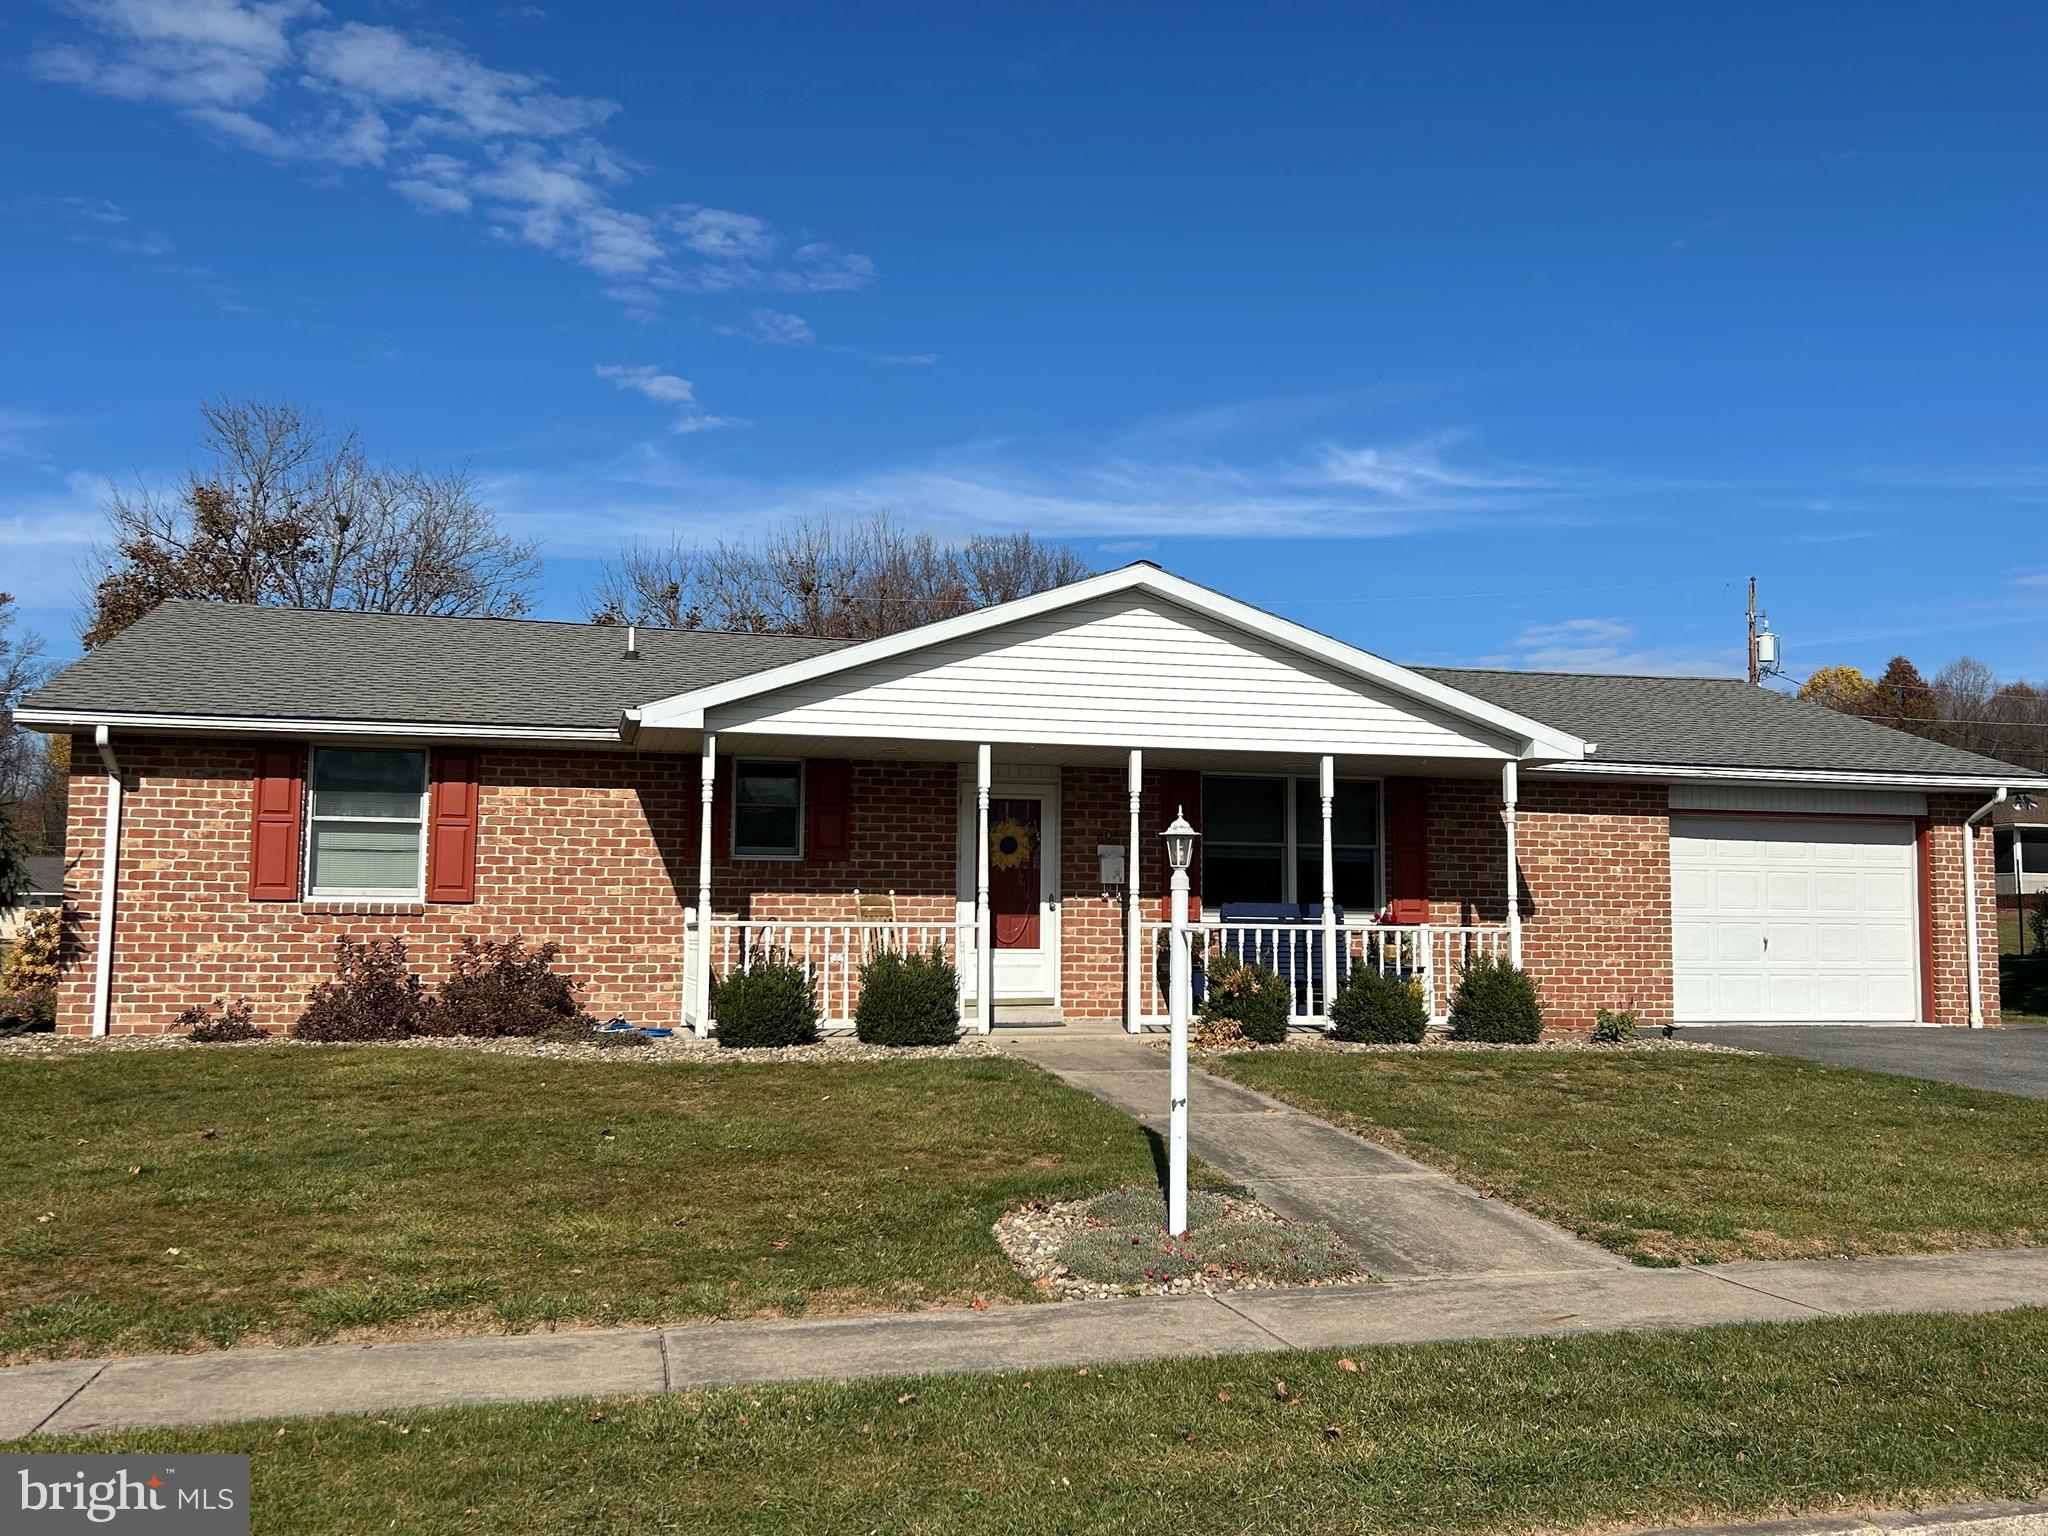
(1112, 857)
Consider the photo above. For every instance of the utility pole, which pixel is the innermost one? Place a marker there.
(1753, 678)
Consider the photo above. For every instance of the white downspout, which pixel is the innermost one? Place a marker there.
(1970, 902)
(110, 865)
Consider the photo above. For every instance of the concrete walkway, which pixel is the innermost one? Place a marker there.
(79, 1397)
(1407, 1221)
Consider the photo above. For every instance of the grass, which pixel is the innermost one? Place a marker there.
(1738, 1422)
(286, 1195)
(1697, 1157)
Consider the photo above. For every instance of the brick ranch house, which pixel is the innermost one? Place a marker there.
(250, 783)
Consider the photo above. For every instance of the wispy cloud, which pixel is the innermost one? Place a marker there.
(907, 359)
(998, 485)
(1606, 645)
(772, 328)
(22, 433)
(666, 389)
(452, 135)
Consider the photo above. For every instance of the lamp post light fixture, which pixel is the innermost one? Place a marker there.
(1180, 852)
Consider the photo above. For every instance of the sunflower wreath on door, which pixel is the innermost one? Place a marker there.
(1009, 844)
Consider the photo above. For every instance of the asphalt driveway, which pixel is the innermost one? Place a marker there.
(2003, 1060)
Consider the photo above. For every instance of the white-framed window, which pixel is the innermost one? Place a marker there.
(1262, 840)
(366, 813)
(767, 808)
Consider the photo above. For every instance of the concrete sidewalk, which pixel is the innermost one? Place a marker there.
(1405, 1220)
(71, 1398)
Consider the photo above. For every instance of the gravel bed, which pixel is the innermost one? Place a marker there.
(677, 1049)
(1033, 1236)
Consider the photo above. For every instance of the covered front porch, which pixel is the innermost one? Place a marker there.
(1041, 876)
(1011, 770)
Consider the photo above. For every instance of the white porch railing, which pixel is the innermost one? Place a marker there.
(831, 954)
(1430, 953)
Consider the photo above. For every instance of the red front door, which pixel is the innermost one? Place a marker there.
(1015, 830)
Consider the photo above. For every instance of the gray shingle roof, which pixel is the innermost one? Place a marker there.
(235, 661)
(1713, 722)
(45, 873)
(194, 658)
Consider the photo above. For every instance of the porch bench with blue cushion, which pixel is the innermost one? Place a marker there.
(1296, 956)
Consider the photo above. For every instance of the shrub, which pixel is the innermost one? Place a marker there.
(220, 1022)
(1496, 1003)
(768, 1002)
(504, 988)
(1252, 995)
(1611, 1028)
(908, 1000)
(1379, 1008)
(27, 1013)
(373, 996)
(32, 961)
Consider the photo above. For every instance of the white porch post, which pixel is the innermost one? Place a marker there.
(707, 773)
(1134, 917)
(1507, 800)
(985, 941)
(1328, 786)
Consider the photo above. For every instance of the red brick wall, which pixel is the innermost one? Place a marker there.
(1945, 889)
(1595, 888)
(588, 849)
(597, 851)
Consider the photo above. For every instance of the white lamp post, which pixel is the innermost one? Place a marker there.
(1180, 852)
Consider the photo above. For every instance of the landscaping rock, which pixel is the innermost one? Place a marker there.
(1036, 1238)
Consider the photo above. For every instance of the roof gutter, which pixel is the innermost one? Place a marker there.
(110, 867)
(1970, 903)
(246, 725)
(1864, 779)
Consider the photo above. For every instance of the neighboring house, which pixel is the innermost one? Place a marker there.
(2020, 834)
(1692, 849)
(45, 889)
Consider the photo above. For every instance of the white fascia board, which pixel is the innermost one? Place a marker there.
(1862, 778)
(71, 720)
(685, 711)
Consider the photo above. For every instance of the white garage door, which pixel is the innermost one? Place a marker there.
(1777, 920)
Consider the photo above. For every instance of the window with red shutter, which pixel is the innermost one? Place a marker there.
(451, 827)
(275, 798)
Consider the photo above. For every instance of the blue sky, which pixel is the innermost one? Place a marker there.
(1507, 335)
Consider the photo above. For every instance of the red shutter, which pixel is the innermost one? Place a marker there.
(1407, 808)
(721, 810)
(276, 796)
(451, 827)
(828, 810)
(1180, 793)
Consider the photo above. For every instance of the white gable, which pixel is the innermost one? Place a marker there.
(1123, 669)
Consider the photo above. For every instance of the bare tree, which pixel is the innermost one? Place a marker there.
(24, 762)
(286, 511)
(846, 581)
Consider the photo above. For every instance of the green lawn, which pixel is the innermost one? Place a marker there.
(1697, 1157)
(289, 1194)
(1726, 1423)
